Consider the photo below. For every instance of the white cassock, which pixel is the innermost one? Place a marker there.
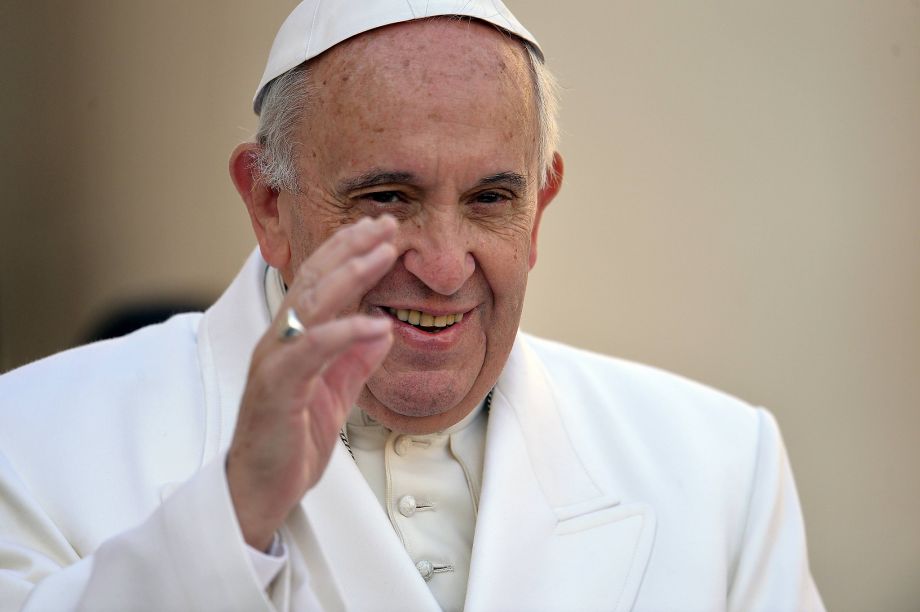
(606, 485)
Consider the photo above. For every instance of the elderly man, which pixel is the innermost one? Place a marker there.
(357, 423)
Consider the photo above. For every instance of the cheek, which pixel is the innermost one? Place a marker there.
(314, 220)
(303, 238)
(505, 266)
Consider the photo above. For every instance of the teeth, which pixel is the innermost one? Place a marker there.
(416, 317)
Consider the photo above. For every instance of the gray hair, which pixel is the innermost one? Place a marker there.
(282, 102)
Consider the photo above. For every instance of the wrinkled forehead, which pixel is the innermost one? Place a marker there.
(458, 87)
(437, 51)
(442, 69)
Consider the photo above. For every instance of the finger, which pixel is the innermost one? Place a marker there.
(301, 360)
(353, 240)
(342, 287)
(347, 374)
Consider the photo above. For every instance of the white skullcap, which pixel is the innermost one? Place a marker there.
(317, 25)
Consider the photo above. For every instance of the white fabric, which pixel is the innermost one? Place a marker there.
(606, 485)
(267, 565)
(317, 25)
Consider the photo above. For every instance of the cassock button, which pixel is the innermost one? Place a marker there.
(425, 568)
(407, 505)
(402, 444)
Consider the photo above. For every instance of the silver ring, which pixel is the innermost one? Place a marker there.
(292, 327)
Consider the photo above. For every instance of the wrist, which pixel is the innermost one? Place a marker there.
(257, 524)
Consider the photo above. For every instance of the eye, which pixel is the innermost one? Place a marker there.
(490, 197)
(383, 197)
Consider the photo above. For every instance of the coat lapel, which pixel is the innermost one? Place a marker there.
(357, 543)
(227, 334)
(547, 535)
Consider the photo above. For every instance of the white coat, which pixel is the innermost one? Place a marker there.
(606, 486)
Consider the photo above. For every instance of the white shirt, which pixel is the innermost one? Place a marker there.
(429, 487)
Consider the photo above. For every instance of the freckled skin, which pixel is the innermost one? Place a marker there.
(449, 102)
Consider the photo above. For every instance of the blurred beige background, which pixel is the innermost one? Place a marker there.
(742, 206)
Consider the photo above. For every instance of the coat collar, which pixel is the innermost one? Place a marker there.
(548, 535)
(227, 335)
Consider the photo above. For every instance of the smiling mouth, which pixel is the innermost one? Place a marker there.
(425, 321)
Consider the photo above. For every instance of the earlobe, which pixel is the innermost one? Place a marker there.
(544, 197)
(261, 204)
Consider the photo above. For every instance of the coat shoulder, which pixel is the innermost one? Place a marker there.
(608, 375)
(150, 352)
(662, 416)
(146, 379)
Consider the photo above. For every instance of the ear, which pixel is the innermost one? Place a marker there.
(261, 204)
(544, 197)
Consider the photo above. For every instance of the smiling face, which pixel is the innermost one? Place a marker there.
(433, 122)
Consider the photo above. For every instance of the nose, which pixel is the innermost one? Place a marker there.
(436, 250)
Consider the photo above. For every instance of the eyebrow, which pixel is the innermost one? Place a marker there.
(374, 178)
(510, 179)
(383, 177)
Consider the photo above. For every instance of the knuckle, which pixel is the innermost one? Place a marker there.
(307, 275)
(312, 341)
(308, 302)
(260, 373)
(351, 237)
(274, 362)
(263, 350)
(355, 267)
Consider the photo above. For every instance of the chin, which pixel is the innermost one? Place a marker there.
(417, 406)
(420, 394)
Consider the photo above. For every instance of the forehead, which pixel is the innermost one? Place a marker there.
(462, 43)
(444, 68)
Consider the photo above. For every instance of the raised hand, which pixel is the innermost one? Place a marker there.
(299, 391)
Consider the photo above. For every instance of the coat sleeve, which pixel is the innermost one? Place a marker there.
(772, 571)
(188, 555)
